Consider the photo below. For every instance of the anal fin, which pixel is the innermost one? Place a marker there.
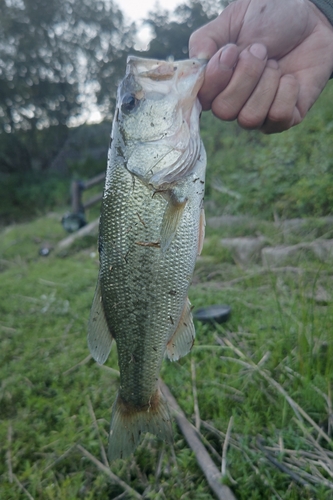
(99, 335)
(182, 340)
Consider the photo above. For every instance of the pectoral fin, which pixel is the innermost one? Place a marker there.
(99, 335)
(171, 219)
(182, 340)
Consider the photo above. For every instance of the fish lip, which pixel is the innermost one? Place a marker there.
(156, 69)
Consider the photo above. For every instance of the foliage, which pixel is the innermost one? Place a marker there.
(51, 53)
(25, 196)
(56, 59)
(171, 33)
(51, 393)
(288, 174)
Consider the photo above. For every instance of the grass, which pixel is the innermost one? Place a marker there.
(269, 369)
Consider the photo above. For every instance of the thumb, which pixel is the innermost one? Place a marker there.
(208, 39)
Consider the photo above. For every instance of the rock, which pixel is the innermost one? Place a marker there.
(283, 254)
(280, 255)
(308, 228)
(323, 250)
(245, 250)
(228, 221)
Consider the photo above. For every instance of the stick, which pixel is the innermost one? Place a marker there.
(283, 468)
(295, 406)
(206, 464)
(108, 472)
(93, 417)
(195, 397)
(84, 231)
(83, 362)
(225, 448)
(20, 485)
(64, 455)
(9, 453)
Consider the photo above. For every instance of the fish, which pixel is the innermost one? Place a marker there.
(151, 232)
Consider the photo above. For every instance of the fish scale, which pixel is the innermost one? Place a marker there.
(149, 239)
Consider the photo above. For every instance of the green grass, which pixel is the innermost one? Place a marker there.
(277, 345)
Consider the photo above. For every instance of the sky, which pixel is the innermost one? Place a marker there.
(138, 9)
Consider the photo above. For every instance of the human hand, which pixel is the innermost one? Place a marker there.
(269, 61)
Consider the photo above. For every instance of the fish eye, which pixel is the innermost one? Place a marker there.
(129, 103)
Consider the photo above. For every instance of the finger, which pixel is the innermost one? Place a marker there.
(223, 30)
(246, 75)
(255, 110)
(218, 74)
(283, 113)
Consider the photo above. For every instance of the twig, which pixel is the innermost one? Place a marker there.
(108, 472)
(83, 362)
(195, 396)
(206, 464)
(9, 452)
(282, 467)
(109, 369)
(159, 463)
(59, 459)
(296, 407)
(225, 448)
(20, 485)
(93, 417)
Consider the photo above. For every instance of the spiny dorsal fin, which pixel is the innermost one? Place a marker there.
(182, 340)
(99, 335)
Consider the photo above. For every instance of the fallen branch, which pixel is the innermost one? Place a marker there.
(206, 464)
(84, 231)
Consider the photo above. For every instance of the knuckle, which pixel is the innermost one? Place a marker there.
(280, 115)
(253, 69)
(224, 110)
(249, 120)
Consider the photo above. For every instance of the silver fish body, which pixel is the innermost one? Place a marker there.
(151, 231)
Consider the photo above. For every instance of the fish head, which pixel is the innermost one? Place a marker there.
(158, 116)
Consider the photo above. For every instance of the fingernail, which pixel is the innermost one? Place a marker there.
(258, 50)
(228, 56)
(201, 55)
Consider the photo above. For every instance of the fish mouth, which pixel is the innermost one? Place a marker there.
(144, 73)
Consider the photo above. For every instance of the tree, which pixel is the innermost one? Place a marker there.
(172, 32)
(51, 56)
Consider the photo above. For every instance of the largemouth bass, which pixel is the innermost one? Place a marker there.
(151, 231)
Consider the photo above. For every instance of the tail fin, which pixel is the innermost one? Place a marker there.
(128, 423)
